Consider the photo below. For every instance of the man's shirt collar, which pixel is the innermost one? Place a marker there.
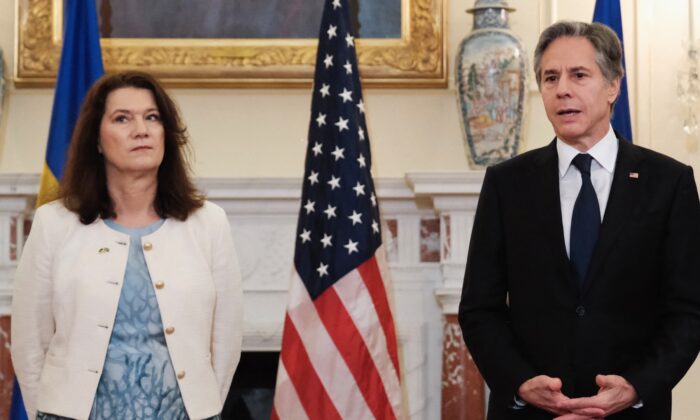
(604, 152)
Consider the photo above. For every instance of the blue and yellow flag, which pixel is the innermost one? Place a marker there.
(17, 411)
(81, 65)
(608, 13)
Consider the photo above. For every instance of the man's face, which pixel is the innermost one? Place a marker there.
(576, 95)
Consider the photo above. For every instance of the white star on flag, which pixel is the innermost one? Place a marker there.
(342, 124)
(313, 178)
(321, 119)
(336, 4)
(361, 106)
(361, 161)
(328, 61)
(338, 153)
(332, 32)
(350, 40)
(359, 189)
(356, 218)
(373, 198)
(351, 246)
(348, 67)
(346, 95)
(330, 212)
(361, 133)
(305, 236)
(318, 148)
(334, 182)
(375, 226)
(326, 241)
(309, 206)
(325, 90)
(322, 270)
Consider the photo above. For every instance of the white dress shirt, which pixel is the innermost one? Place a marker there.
(604, 155)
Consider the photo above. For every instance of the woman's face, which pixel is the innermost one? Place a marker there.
(131, 133)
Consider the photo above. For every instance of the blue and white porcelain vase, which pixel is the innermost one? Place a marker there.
(491, 80)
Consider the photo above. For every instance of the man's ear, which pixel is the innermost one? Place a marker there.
(613, 90)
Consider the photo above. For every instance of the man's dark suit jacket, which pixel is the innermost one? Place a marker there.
(638, 313)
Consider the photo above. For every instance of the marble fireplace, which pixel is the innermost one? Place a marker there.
(427, 219)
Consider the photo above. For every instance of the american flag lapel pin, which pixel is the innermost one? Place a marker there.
(634, 175)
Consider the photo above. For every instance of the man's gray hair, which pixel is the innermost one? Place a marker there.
(605, 42)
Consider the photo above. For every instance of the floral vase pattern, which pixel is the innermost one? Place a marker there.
(490, 77)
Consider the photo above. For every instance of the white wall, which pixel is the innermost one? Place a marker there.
(260, 133)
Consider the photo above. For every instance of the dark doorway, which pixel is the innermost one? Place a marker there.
(253, 387)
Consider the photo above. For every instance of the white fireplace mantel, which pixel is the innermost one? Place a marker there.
(421, 212)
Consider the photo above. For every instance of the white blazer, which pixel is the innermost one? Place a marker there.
(65, 300)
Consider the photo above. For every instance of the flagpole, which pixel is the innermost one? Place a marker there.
(691, 24)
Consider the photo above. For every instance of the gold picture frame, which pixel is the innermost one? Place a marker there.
(417, 59)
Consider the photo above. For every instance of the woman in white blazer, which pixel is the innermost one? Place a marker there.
(127, 299)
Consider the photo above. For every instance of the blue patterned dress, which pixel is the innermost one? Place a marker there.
(138, 380)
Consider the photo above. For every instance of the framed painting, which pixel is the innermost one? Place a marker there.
(240, 43)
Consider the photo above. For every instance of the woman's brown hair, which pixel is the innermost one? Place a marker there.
(83, 187)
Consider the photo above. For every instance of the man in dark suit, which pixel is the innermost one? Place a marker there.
(581, 295)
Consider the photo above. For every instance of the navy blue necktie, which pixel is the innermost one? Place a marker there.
(585, 221)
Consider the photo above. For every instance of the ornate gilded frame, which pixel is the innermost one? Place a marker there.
(417, 59)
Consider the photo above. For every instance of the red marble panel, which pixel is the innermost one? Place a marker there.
(27, 228)
(462, 384)
(26, 225)
(13, 238)
(391, 241)
(447, 241)
(7, 374)
(430, 240)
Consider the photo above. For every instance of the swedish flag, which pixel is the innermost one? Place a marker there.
(81, 65)
(608, 13)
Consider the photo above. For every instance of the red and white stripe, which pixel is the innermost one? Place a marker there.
(339, 356)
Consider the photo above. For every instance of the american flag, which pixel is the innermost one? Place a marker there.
(339, 357)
